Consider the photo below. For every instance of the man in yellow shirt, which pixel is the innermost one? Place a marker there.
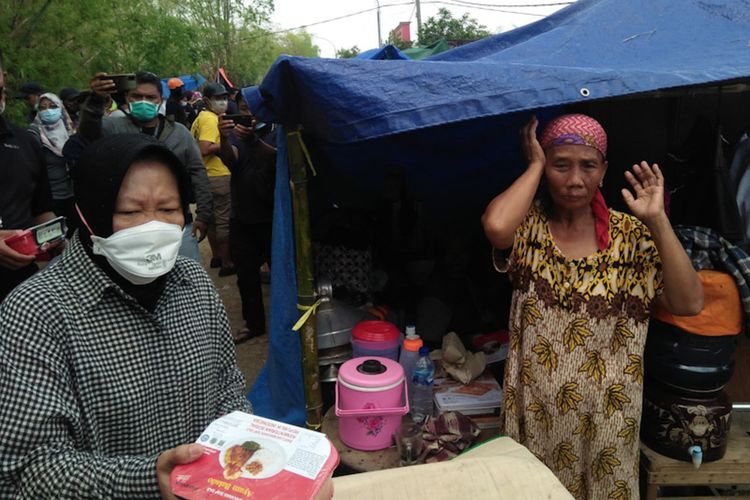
(205, 129)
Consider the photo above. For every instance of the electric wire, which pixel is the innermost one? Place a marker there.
(458, 3)
(515, 6)
(444, 2)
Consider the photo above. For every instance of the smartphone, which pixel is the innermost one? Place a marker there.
(262, 128)
(245, 120)
(123, 81)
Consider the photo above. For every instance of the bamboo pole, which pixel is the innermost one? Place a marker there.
(305, 280)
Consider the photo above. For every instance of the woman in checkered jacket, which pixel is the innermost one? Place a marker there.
(120, 353)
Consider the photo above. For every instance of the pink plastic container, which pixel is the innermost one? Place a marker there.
(23, 242)
(376, 338)
(371, 398)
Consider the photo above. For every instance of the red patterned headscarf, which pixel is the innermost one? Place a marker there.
(575, 129)
(585, 131)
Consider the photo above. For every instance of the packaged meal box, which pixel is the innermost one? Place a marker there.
(245, 456)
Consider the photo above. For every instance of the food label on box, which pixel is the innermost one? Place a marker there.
(245, 456)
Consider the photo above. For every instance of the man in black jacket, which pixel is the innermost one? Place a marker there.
(25, 199)
(249, 152)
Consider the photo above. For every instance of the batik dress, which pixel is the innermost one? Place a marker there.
(574, 373)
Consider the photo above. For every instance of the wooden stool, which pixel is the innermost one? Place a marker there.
(733, 469)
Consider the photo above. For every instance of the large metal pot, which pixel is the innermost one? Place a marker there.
(334, 319)
(330, 360)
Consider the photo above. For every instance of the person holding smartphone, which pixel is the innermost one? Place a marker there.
(143, 95)
(206, 132)
(247, 149)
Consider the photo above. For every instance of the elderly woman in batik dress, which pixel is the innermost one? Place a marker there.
(584, 278)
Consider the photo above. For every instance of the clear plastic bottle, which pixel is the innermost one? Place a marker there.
(424, 372)
(408, 358)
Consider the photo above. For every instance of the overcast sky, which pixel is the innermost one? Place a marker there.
(362, 29)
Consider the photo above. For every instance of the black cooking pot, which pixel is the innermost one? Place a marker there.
(706, 379)
(686, 360)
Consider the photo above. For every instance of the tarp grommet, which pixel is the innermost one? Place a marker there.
(585, 92)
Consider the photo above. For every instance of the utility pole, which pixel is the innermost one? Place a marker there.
(419, 21)
(380, 40)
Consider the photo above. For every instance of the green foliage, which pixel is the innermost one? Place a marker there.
(224, 27)
(456, 31)
(348, 53)
(394, 38)
(297, 43)
(62, 43)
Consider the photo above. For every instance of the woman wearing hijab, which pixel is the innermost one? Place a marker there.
(52, 127)
(119, 353)
(584, 278)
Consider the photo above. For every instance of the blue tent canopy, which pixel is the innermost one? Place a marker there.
(191, 82)
(389, 52)
(451, 121)
(593, 49)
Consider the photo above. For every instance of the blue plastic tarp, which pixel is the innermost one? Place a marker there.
(593, 49)
(278, 391)
(451, 121)
(387, 52)
(191, 82)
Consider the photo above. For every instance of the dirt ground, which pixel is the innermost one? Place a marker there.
(252, 354)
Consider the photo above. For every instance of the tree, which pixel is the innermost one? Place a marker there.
(394, 38)
(45, 41)
(297, 43)
(457, 31)
(224, 27)
(348, 53)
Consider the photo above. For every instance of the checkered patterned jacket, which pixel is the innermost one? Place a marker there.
(93, 386)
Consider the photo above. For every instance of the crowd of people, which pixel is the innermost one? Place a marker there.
(189, 124)
(119, 352)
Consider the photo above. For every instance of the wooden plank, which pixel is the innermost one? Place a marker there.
(734, 468)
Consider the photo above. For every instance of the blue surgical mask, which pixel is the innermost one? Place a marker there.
(143, 111)
(50, 116)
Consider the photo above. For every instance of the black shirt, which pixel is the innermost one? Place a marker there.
(176, 112)
(24, 188)
(253, 180)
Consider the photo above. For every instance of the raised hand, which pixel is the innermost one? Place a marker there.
(101, 85)
(648, 184)
(532, 150)
(225, 126)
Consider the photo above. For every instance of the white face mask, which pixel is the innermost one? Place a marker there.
(219, 106)
(140, 254)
